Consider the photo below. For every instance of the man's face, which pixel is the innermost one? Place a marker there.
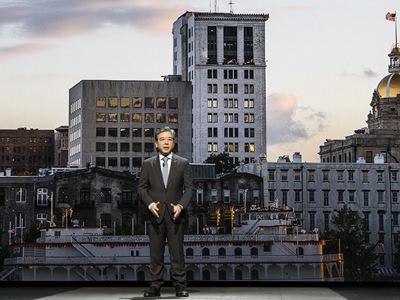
(165, 142)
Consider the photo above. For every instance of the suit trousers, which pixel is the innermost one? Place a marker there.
(173, 233)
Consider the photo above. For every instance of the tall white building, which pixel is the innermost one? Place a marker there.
(223, 55)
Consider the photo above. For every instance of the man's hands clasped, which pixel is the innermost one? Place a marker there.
(177, 209)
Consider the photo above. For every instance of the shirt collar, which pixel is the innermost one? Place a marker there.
(160, 156)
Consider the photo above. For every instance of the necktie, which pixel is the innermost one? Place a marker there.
(165, 170)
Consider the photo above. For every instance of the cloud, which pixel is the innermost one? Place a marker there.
(282, 125)
(370, 73)
(46, 21)
(367, 72)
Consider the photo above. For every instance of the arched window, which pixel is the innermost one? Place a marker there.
(222, 274)
(140, 275)
(300, 251)
(222, 252)
(189, 252)
(190, 275)
(238, 251)
(254, 274)
(206, 275)
(254, 251)
(205, 252)
(238, 274)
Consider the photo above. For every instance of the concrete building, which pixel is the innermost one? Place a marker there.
(112, 123)
(223, 55)
(317, 190)
(25, 151)
(382, 136)
(61, 146)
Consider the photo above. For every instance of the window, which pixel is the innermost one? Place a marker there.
(311, 196)
(222, 252)
(231, 118)
(212, 117)
(249, 132)
(312, 220)
(339, 174)
(230, 45)
(284, 197)
(212, 103)
(248, 103)
(212, 44)
(124, 147)
(394, 196)
(326, 221)
(379, 176)
(199, 197)
(350, 174)
(297, 196)
(395, 219)
(136, 147)
(271, 195)
(311, 175)
(112, 117)
(124, 132)
(112, 162)
(212, 73)
(136, 132)
(227, 196)
(214, 195)
(248, 118)
(137, 102)
(381, 221)
(248, 45)
(20, 195)
(173, 118)
(137, 117)
(112, 147)
(149, 147)
(249, 147)
(160, 118)
(248, 74)
(366, 220)
(212, 88)
(212, 147)
(230, 74)
(105, 195)
(149, 117)
(100, 147)
(100, 117)
(231, 147)
(340, 196)
(381, 196)
(112, 101)
(100, 131)
(271, 175)
(105, 220)
(173, 102)
(136, 162)
(230, 103)
(41, 217)
(326, 197)
(42, 196)
(149, 132)
(352, 196)
(101, 102)
(394, 175)
(124, 161)
(249, 88)
(212, 131)
(125, 102)
(124, 117)
(230, 88)
(100, 161)
(297, 175)
(148, 102)
(325, 175)
(256, 196)
(365, 176)
(366, 198)
(161, 102)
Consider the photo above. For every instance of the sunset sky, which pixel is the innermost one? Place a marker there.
(325, 58)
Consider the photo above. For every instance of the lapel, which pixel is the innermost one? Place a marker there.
(172, 170)
(157, 167)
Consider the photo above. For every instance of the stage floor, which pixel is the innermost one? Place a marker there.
(204, 293)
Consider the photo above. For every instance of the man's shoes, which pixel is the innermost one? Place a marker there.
(152, 292)
(182, 293)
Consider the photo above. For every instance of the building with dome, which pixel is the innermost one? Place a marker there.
(380, 140)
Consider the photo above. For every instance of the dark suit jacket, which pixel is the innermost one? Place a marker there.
(178, 191)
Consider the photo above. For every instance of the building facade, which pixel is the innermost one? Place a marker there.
(25, 151)
(112, 124)
(382, 135)
(223, 55)
(317, 190)
(61, 146)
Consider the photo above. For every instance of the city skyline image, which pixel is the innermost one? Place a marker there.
(323, 60)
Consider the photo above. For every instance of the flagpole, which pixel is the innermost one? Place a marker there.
(395, 27)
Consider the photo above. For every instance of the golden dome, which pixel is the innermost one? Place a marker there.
(389, 86)
(395, 50)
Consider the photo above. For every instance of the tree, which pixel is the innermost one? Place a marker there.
(359, 257)
(223, 162)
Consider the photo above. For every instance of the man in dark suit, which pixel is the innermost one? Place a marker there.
(165, 187)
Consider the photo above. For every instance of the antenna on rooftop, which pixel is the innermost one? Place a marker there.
(231, 5)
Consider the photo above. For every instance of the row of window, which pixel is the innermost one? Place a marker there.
(340, 175)
(230, 118)
(125, 132)
(230, 74)
(137, 117)
(230, 132)
(32, 140)
(31, 159)
(340, 196)
(18, 149)
(127, 147)
(137, 102)
(76, 105)
(230, 103)
(123, 161)
(252, 197)
(212, 88)
(231, 147)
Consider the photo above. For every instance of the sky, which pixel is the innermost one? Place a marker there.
(324, 59)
